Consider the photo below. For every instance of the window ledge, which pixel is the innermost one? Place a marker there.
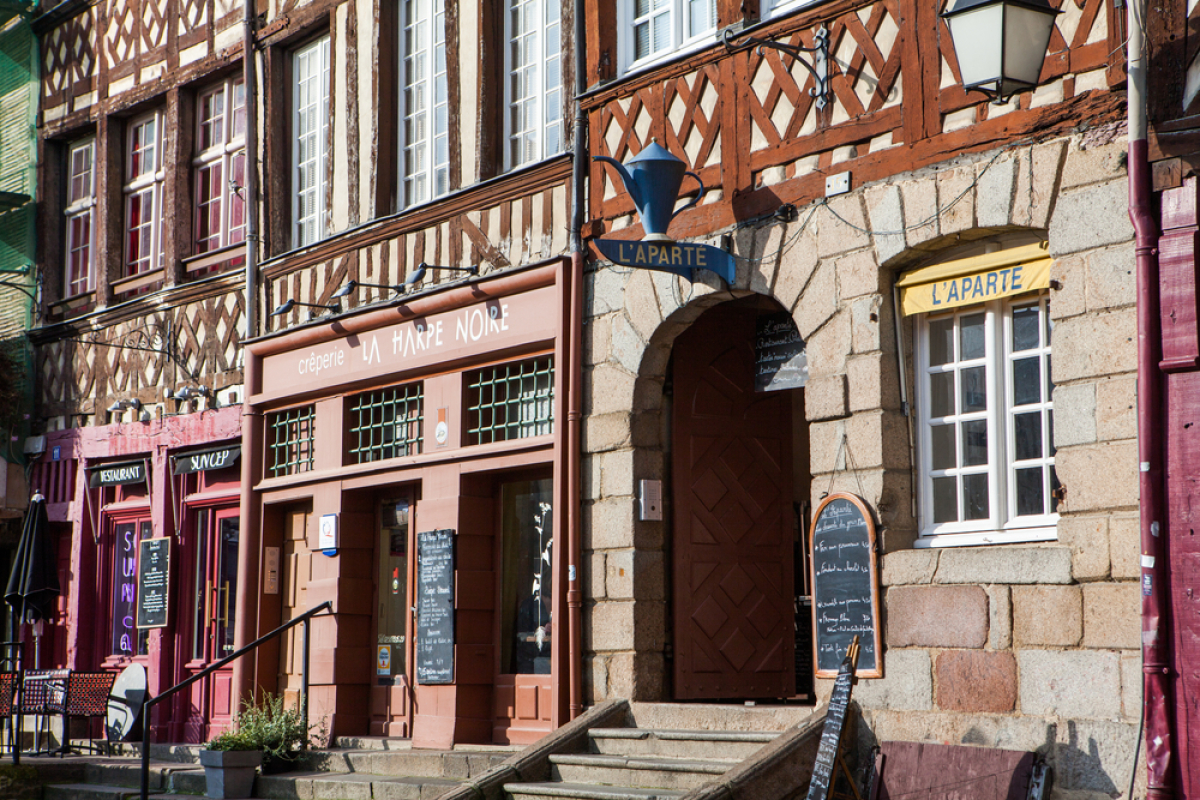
(1048, 563)
(135, 282)
(214, 258)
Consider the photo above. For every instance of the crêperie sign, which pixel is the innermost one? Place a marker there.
(845, 585)
(154, 582)
(435, 607)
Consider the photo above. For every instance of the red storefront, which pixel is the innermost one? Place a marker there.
(443, 412)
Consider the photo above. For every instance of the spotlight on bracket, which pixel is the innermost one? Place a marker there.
(121, 405)
(349, 287)
(418, 274)
(288, 305)
(190, 393)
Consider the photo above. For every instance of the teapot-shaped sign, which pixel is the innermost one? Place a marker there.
(653, 178)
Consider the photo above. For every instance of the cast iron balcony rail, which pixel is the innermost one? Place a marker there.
(204, 673)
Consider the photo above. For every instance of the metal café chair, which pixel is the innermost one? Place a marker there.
(38, 689)
(84, 694)
(8, 690)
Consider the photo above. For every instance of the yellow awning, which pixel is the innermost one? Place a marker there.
(976, 279)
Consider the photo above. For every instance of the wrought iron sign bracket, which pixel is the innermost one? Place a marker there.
(819, 68)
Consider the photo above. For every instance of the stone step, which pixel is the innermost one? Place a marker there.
(86, 791)
(717, 717)
(455, 764)
(646, 773)
(348, 786)
(128, 772)
(583, 791)
(727, 745)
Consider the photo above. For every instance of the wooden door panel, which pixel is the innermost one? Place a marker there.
(297, 571)
(734, 632)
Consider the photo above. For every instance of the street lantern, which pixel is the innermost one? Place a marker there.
(1000, 44)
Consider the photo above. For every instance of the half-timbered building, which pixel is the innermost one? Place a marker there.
(987, 424)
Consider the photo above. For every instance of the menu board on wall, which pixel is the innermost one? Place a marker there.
(780, 361)
(845, 586)
(154, 582)
(435, 607)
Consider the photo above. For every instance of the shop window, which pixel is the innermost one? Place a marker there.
(424, 102)
(144, 177)
(310, 141)
(657, 29)
(987, 423)
(214, 617)
(527, 586)
(511, 401)
(127, 640)
(290, 437)
(219, 167)
(80, 210)
(533, 94)
(387, 423)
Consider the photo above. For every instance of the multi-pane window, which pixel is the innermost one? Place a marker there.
(511, 401)
(143, 194)
(386, 423)
(81, 202)
(987, 422)
(220, 166)
(310, 141)
(290, 436)
(424, 102)
(660, 27)
(534, 92)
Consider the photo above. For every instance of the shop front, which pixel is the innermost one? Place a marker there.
(404, 465)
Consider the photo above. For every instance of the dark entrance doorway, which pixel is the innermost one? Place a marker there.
(734, 544)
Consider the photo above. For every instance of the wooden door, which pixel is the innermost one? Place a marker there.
(732, 538)
(297, 571)
(212, 560)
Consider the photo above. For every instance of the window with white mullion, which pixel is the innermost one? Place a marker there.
(659, 28)
(1032, 482)
(143, 195)
(425, 102)
(220, 165)
(310, 100)
(958, 430)
(533, 95)
(81, 201)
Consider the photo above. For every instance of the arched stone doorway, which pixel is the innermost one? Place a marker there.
(739, 484)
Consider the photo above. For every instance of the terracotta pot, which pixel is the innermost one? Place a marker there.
(229, 773)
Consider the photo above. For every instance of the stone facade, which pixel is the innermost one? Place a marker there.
(1024, 646)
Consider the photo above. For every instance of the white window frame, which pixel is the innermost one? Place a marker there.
(147, 182)
(80, 208)
(310, 92)
(778, 8)
(424, 103)
(540, 103)
(227, 146)
(1002, 524)
(681, 39)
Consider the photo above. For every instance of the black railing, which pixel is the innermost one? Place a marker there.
(204, 673)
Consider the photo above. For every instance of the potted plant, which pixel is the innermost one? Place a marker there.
(264, 734)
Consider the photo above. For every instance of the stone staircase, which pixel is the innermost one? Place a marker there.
(618, 751)
(358, 769)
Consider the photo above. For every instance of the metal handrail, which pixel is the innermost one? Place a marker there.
(303, 618)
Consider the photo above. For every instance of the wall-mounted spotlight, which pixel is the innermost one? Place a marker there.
(350, 286)
(288, 305)
(121, 405)
(190, 393)
(418, 274)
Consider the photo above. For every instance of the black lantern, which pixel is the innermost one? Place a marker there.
(1000, 44)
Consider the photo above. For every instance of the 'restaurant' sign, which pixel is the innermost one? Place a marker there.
(211, 458)
(417, 342)
(681, 258)
(118, 474)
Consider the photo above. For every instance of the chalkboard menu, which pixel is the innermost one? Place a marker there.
(435, 607)
(154, 582)
(831, 734)
(845, 585)
(779, 358)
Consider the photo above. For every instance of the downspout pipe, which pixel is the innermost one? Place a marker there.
(1156, 654)
(579, 166)
(250, 200)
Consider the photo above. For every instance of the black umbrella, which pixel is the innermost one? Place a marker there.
(33, 583)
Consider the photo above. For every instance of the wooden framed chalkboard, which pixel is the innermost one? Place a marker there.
(780, 361)
(435, 607)
(154, 582)
(845, 586)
